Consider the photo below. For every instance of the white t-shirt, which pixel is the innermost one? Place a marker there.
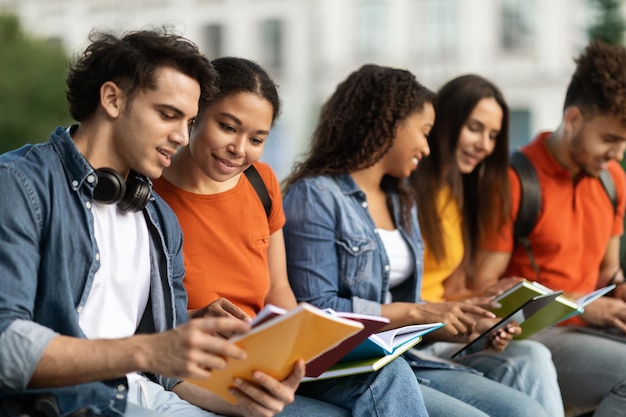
(120, 289)
(400, 259)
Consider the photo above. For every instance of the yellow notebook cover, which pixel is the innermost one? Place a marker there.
(274, 346)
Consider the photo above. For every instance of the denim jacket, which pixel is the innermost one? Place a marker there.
(336, 259)
(48, 258)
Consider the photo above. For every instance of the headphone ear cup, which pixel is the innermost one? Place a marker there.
(137, 194)
(111, 186)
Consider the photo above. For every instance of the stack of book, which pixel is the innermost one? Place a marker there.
(332, 344)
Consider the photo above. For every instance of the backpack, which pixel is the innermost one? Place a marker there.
(259, 186)
(530, 200)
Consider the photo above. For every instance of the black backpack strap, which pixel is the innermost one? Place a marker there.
(609, 186)
(530, 203)
(259, 186)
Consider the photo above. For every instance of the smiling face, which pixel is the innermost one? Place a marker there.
(230, 135)
(410, 144)
(152, 124)
(594, 142)
(478, 135)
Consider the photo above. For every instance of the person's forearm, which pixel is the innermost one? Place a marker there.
(281, 296)
(70, 361)
(401, 314)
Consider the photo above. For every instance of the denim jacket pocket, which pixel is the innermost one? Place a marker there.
(356, 256)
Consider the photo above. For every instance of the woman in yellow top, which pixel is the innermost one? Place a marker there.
(461, 188)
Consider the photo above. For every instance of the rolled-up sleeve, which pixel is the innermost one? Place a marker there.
(21, 346)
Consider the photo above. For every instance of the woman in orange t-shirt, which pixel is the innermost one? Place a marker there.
(232, 250)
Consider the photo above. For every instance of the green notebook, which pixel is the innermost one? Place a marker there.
(562, 308)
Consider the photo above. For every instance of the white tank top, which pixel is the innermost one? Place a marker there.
(400, 259)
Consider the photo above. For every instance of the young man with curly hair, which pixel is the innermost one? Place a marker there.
(575, 241)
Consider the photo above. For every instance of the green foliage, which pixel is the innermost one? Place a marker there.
(32, 86)
(609, 26)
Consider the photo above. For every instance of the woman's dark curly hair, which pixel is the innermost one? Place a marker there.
(357, 125)
(131, 62)
(598, 85)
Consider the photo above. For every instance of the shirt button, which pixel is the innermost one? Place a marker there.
(79, 309)
(88, 205)
(387, 267)
(355, 248)
(91, 179)
(97, 256)
(364, 204)
(121, 388)
(119, 396)
(74, 183)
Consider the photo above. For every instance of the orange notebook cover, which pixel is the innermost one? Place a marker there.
(273, 347)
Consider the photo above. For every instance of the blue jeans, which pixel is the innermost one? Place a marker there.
(392, 391)
(525, 365)
(450, 392)
(591, 369)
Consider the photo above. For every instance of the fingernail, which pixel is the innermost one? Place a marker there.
(496, 305)
(238, 382)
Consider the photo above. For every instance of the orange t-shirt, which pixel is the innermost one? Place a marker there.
(226, 237)
(574, 225)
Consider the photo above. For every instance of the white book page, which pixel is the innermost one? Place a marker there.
(583, 301)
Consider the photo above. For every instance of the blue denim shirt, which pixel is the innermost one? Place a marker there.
(336, 259)
(48, 258)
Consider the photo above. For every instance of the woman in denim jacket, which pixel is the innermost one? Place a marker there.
(353, 242)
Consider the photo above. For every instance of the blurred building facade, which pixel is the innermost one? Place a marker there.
(524, 46)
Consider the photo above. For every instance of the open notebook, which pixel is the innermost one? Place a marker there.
(526, 311)
(274, 345)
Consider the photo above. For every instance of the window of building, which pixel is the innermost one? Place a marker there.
(519, 128)
(440, 28)
(370, 28)
(272, 45)
(213, 40)
(435, 35)
(517, 22)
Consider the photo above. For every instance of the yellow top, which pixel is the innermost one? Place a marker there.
(435, 273)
